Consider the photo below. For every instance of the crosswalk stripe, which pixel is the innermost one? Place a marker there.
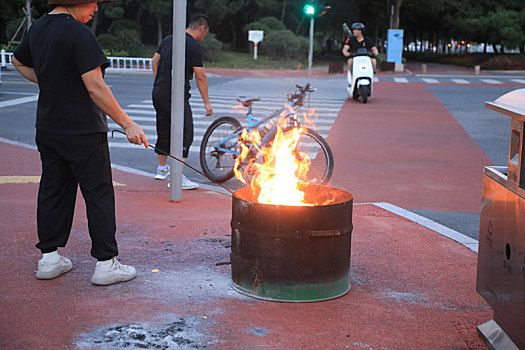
(205, 127)
(149, 106)
(491, 81)
(521, 81)
(460, 81)
(18, 101)
(139, 111)
(320, 120)
(430, 80)
(199, 108)
(400, 80)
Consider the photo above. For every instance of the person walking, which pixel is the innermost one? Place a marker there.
(197, 29)
(62, 56)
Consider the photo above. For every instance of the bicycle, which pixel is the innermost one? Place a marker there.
(220, 146)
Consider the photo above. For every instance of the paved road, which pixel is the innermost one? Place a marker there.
(462, 95)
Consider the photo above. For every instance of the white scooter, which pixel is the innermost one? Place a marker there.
(361, 80)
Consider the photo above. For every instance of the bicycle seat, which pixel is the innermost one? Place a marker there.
(247, 102)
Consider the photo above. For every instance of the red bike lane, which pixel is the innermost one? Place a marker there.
(411, 288)
(404, 147)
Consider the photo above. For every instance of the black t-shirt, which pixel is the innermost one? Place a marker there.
(61, 49)
(367, 43)
(194, 58)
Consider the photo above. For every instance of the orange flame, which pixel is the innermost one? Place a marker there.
(278, 176)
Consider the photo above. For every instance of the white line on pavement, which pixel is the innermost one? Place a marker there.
(430, 80)
(18, 101)
(460, 81)
(459, 237)
(521, 81)
(400, 80)
(491, 81)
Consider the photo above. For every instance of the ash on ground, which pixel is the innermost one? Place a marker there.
(175, 335)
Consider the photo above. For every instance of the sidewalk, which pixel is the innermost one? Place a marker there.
(411, 287)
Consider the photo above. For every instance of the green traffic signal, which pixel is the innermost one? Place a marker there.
(309, 10)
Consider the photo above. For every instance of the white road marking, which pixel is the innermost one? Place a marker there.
(460, 81)
(459, 237)
(18, 101)
(430, 80)
(491, 81)
(400, 80)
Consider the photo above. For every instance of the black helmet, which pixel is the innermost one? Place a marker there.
(358, 26)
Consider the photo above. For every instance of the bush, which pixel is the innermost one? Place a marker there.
(505, 62)
(266, 24)
(212, 47)
(285, 44)
(125, 41)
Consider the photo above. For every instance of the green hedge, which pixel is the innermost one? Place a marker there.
(285, 44)
(212, 47)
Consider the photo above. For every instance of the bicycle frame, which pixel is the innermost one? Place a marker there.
(254, 123)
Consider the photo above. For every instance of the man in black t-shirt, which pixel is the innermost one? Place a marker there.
(62, 56)
(359, 41)
(161, 64)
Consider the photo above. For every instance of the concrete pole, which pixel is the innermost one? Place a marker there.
(311, 48)
(177, 97)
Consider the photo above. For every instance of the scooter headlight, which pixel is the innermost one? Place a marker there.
(363, 68)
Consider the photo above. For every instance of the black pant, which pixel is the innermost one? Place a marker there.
(162, 103)
(69, 161)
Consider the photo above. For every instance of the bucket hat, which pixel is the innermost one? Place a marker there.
(74, 2)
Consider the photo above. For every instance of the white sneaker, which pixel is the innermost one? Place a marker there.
(51, 269)
(187, 184)
(162, 174)
(112, 271)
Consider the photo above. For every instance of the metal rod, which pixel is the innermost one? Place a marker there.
(181, 161)
(311, 46)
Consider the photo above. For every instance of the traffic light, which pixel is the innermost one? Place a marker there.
(310, 9)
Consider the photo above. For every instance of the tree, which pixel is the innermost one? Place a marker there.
(159, 9)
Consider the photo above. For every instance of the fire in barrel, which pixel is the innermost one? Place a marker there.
(290, 239)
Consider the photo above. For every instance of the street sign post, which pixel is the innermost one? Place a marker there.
(255, 36)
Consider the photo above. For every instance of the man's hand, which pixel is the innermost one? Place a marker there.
(209, 109)
(346, 50)
(136, 135)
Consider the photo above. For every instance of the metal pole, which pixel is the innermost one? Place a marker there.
(177, 97)
(29, 18)
(311, 48)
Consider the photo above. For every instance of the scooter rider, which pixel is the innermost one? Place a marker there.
(358, 40)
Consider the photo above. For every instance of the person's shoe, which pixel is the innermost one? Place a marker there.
(163, 173)
(51, 269)
(187, 184)
(112, 271)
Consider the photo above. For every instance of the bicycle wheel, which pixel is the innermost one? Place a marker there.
(216, 164)
(320, 154)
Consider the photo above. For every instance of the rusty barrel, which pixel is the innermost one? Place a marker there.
(292, 253)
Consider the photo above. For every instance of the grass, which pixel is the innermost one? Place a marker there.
(230, 59)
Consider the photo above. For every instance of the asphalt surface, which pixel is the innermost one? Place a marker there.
(462, 93)
(412, 281)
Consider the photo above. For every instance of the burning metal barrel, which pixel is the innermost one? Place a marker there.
(292, 253)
